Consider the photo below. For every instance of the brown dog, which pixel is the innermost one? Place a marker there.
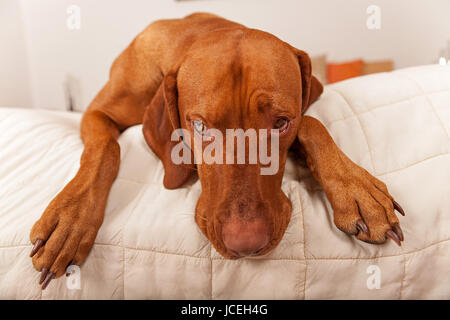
(205, 72)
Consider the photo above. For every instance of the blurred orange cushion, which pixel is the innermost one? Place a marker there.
(341, 71)
(377, 66)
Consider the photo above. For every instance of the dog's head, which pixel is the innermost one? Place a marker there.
(233, 79)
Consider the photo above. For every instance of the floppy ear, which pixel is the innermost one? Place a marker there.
(311, 87)
(160, 120)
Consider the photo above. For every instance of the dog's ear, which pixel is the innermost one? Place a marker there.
(311, 87)
(161, 118)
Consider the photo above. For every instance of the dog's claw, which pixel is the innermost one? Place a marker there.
(47, 280)
(70, 264)
(391, 234)
(44, 273)
(37, 245)
(398, 207)
(362, 227)
(398, 231)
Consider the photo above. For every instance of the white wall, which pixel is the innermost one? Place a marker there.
(14, 77)
(412, 33)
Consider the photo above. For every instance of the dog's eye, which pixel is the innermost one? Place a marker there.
(199, 127)
(281, 124)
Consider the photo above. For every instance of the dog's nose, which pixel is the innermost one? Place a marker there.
(245, 238)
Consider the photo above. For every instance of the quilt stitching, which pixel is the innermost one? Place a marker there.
(403, 278)
(328, 123)
(412, 164)
(427, 97)
(361, 127)
(122, 241)
(304, 247)
(283, 259)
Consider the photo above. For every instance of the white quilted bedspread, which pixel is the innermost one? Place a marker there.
(396, 125)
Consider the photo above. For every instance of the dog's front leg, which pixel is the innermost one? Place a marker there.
(67, 229)
(361, 203)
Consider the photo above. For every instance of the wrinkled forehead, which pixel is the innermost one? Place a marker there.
(236, 72)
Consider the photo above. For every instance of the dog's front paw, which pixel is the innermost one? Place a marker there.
(363, 206)
(65, 233)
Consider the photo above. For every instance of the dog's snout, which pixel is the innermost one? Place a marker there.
(245, 238)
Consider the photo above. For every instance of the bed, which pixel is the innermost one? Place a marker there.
(396, 125)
